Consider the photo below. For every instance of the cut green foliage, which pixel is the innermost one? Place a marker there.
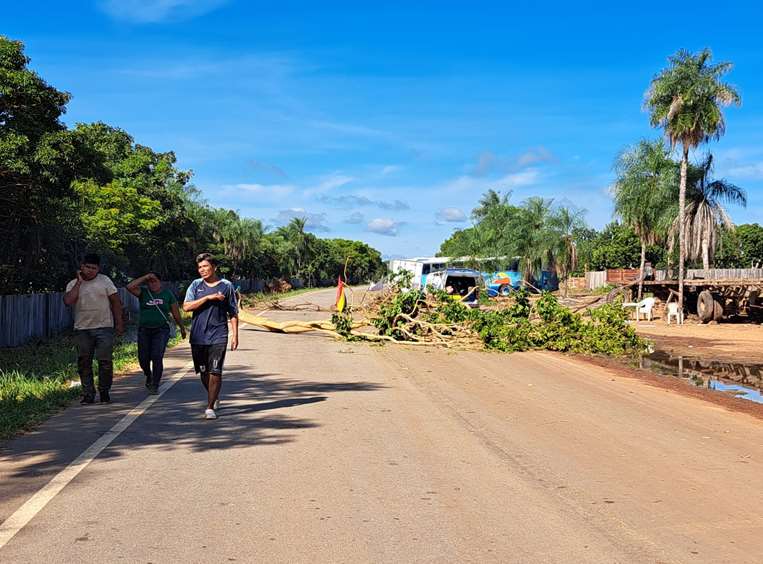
(342, 321)
(438, 318)
(395, 313)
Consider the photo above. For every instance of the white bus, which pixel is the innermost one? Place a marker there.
(420, 267)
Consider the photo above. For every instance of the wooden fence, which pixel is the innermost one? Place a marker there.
(713, 274)
(24, 317)
(595, 279)
(622, 275)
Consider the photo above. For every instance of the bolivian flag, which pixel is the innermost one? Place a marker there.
(341, 301)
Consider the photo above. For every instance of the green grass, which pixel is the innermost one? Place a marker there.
(35, 379)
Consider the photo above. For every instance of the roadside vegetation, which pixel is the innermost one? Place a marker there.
(36, 379)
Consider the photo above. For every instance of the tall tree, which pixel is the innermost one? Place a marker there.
(705, 215)
(685, 99)
(533, 236)
(36, 162)
(643, 192)
(567, 222)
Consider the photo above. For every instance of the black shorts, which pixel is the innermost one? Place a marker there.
(209, 358)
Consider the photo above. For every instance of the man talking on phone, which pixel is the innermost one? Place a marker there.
(97, 314)
(212, 301)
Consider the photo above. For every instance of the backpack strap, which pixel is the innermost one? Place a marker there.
(153, 300)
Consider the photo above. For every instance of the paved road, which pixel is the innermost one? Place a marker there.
(334, 452)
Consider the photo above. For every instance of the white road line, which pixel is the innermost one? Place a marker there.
(19, 519)
(38, 501)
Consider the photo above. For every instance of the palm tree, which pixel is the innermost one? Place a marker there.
(303, 244)
(685, 99)
(489, 201)
(533, 240)
(493, 217)
(705, 215)
(643, 193)
(566, 221)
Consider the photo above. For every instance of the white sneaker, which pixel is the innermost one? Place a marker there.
(210, 414)
(217, 405)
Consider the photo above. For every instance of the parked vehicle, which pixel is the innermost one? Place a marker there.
(502, 282)
(497, 282)
(458, 282)
(420, 267)
(713, 294)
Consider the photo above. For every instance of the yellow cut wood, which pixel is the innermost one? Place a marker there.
(322, 327)
(285, 326)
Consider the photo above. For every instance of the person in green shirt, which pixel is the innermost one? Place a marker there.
(156, 306)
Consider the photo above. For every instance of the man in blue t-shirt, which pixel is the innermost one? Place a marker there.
(212, 301)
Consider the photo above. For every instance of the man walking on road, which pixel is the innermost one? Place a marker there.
(97, 313)
(212, 301)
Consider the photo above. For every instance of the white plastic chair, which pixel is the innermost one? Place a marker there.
(675, 312)
(644, 307)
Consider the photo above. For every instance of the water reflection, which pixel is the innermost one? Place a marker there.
(741, 380)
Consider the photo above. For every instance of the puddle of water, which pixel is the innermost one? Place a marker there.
(741, 380)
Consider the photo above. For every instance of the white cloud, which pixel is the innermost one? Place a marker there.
(485, 163)
(450, 215)
(752, 171)
(154, 11)
(536, 155)
(278, 190)
(384, 226)
(348, 128)
(489, 163)
(334, 180)
(329, 182)
(313, 221)
(353, 200)
(355, 218)
(508, 181)
(390, 169)
(271, 168)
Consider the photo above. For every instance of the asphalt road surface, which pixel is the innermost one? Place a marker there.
(326, 451)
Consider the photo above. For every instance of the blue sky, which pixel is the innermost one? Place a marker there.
(387, 124)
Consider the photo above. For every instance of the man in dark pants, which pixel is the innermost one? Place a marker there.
(97, 313)
(212, 301)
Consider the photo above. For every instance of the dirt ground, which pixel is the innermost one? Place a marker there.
(731, 342)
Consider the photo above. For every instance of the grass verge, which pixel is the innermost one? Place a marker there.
(35, 379)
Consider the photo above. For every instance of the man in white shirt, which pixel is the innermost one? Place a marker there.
(97, 313)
